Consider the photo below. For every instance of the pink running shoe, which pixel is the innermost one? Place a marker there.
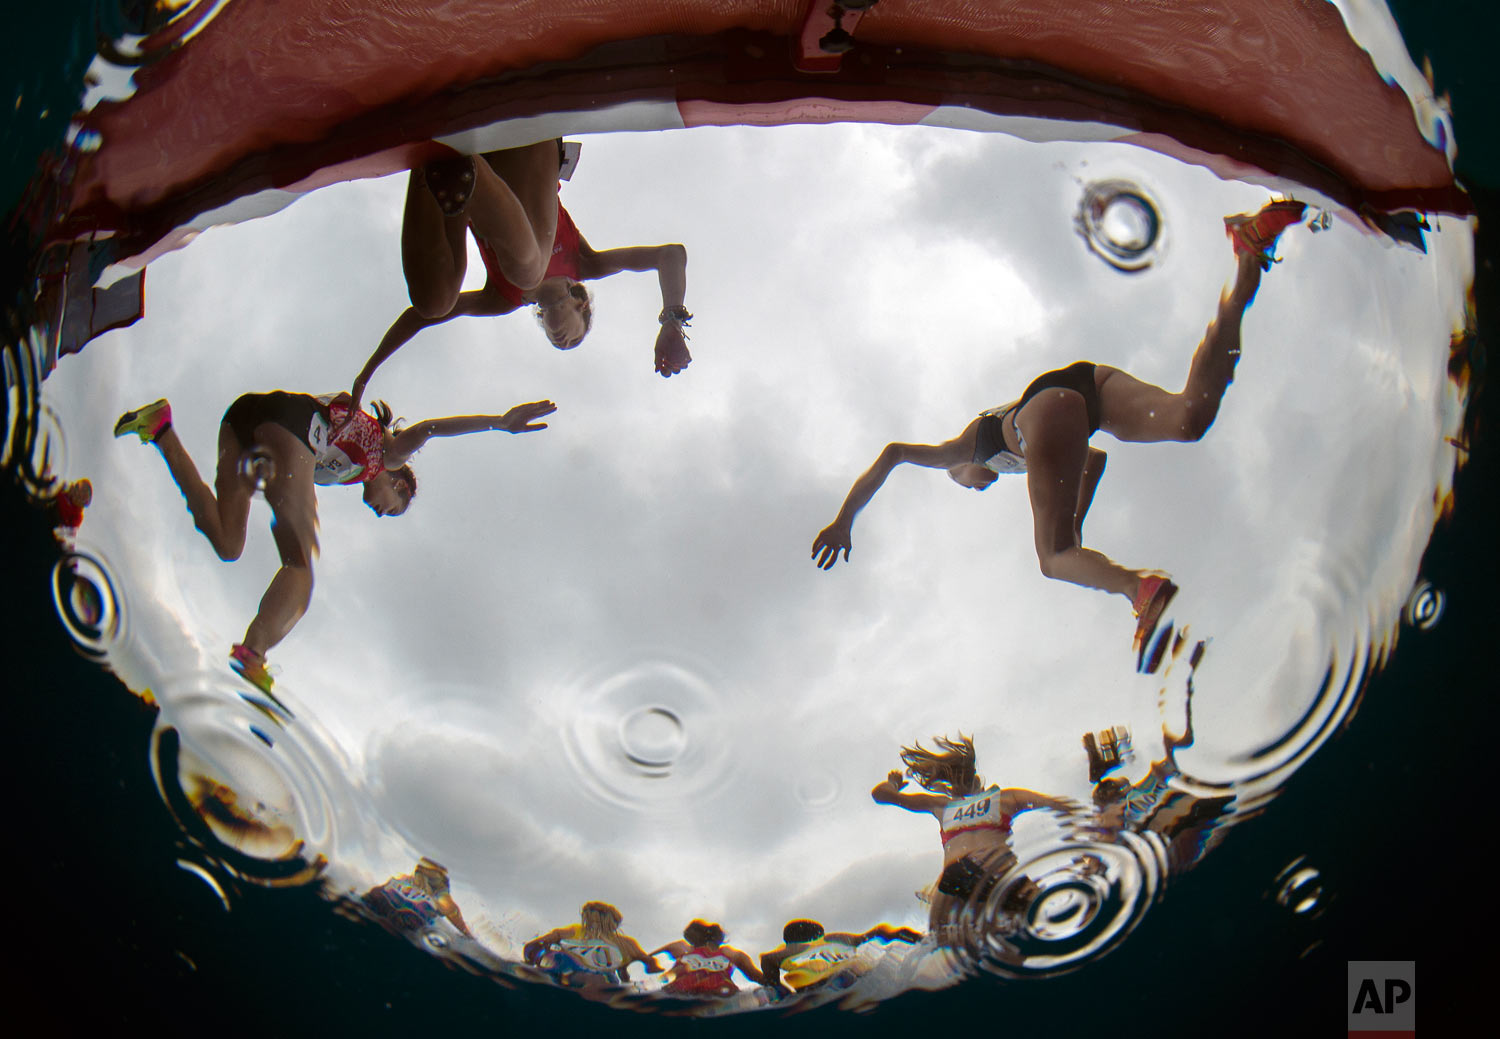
(1150, 601)
(147, 422)
(1256, 233)
(251, 666)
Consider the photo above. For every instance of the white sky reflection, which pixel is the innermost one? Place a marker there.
(853, 285)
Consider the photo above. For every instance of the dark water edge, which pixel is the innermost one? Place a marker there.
(1393, 812)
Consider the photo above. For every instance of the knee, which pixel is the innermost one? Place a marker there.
(530, 275)
(433, 301)
(1048, 561)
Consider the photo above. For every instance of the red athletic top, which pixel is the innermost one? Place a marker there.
(565, 249)
(979, 812)
(357, 455)
(69, 512)
(705, 972)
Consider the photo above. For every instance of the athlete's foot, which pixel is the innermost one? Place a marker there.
(1150, 601)
(251, 666)
(1256, 233)
(451, 182)
(147, 422)
(1104, 754)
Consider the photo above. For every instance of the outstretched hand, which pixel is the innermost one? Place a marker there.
(672, 355)
(833, 539)
(352, 401)
(523, 417)
(896, 778)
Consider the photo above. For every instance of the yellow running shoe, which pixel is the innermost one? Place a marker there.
(147, 422)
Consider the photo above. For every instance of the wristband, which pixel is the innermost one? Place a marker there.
(677, 315)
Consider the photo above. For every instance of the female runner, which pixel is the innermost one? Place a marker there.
(295, 434)
(531, 249)
(704, 963)
(592, 952)
(975, 822)
(1045, 434)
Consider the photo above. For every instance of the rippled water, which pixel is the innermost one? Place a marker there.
(594, 663)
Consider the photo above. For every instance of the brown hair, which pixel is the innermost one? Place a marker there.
(406, 476)
(701, 932)
(390, 424)
(947, 769)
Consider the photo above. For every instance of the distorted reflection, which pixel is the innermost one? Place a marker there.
(414, 902)
(590, 953)
(533, 254)
(1045, 435)
(704, 965)
(599, 667)
(284, 445)
(1157, 802)
(974, 821)
(810, 959)
(67, 510)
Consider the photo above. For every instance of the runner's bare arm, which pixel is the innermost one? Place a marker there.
(533, 949)
(670, 264)
(889, 792)
(520, 419)
(1017, 800)
(484, 303)
(746, 966)
(837, 537)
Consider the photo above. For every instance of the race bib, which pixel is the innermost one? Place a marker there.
(593, 953)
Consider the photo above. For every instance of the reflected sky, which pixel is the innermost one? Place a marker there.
(851, 286)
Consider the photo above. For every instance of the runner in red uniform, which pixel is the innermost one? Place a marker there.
(704, 963)
(288, 443)
(532, 251)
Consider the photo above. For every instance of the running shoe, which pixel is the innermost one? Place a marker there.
(451, 182)
(148, 422)
(251, 666)
(1105, 751)
(1256, 233)
(1150, 602)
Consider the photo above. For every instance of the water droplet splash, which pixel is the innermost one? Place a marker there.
(258, 467)
(647, 733)
(652, 737)
(87, 603)
(208, 878)
(818, 788)
(255, 800)
(1063, 905)
(1299, 888)
(1424, 607)
(1121, 223)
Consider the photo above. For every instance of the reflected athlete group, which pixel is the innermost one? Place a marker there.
(286, 444)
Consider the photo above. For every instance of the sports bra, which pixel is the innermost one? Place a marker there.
(989, 443)
(357, 455)
(979, 812)
(599, 955)
(704, 970)
(566, 245)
